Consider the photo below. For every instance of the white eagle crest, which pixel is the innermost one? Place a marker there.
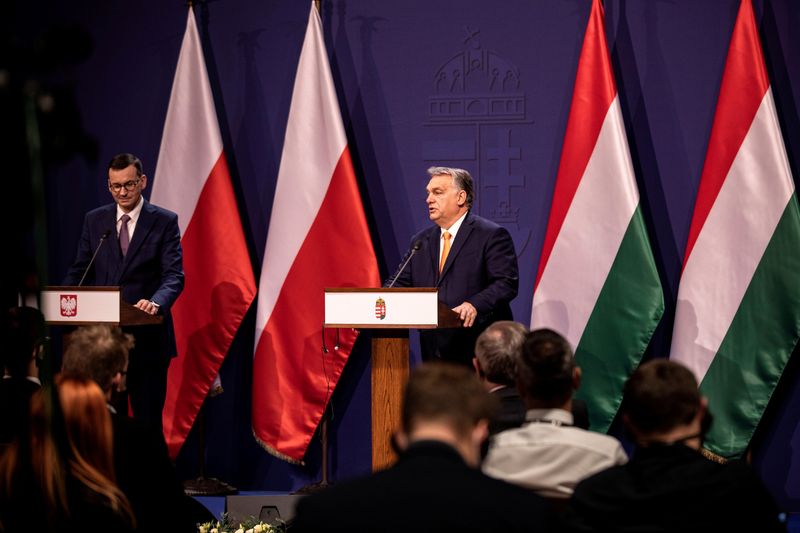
(68, 305)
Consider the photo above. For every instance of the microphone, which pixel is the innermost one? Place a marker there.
(414, 248)
(103, 237)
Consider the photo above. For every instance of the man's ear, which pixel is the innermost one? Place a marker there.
(477, 366)
(577, 373)
(399, 441)
(480, 432)
(462, 198)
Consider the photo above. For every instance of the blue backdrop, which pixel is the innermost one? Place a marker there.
(476, 84)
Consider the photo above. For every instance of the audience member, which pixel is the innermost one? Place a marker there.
(548, 454)
(144, 470)
(436, 484)
(496, 352)
(24, 341)
(60, 476)
(669, 485)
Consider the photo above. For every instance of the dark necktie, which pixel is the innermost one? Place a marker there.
(124, 239)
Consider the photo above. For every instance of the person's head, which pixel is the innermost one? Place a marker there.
(24, 339)
(497, 350)
(69, 438)
(450, 195)
(547, 373)
(662, 403)
(99, 353)
(126, 181)
(447, 402)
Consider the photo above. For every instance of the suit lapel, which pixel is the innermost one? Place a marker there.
(457, 246)
(143, 227)
(433, 245)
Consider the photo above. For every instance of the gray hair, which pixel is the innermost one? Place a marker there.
(497, 350)
(461, 179)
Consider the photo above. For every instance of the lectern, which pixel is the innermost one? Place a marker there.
(389, 313)
(81, 306)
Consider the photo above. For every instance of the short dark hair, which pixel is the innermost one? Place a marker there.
(546, 367)
(660, 396)
(24, 334)
(448, 393)
(123, 161)
(497, 350)
(461, 178)
(96, 352)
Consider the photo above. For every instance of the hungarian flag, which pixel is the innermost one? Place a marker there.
(192, 179)
(738, 314)
(318, 237)
(597, 282)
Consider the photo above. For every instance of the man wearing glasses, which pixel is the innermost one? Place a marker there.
(138, 248)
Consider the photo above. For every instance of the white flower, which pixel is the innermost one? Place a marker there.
(249, 531)
(240, 530)
(214, 530)
(259, 528)
(203, 528)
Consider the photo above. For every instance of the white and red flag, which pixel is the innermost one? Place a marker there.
(318, 237)
(737, 320)
(192, 179)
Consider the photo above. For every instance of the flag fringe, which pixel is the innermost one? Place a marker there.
(275, 453)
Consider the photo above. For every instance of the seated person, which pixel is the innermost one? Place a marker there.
(436, 484)
(548, 454)
(496, 352)
(23, 338)
(669, 485)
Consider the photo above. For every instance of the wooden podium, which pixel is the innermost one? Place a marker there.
(82, 306)
(389, 313)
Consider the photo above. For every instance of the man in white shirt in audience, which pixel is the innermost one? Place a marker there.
(548, 454)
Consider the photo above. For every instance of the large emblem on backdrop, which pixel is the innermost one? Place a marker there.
(477, 118)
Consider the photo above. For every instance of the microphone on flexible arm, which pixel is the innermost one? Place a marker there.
(414, 248)
(103, 237)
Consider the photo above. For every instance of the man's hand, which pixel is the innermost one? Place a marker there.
(467, 312)
(147, 306)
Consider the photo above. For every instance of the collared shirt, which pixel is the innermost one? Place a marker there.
(452, 230)
(134, 214)
(32, 379)
(550, 456)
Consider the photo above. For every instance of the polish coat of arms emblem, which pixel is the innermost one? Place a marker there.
(69, 304)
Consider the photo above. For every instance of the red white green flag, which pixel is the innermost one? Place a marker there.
(597, 282)
(738, 314)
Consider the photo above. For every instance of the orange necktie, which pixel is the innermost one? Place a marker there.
(445, 249)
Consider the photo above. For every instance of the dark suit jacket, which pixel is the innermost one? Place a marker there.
(481, 269)
(152, 269)
(673, 488)
(429, 489)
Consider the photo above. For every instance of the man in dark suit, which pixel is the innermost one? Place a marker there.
(141, 462)
(143, 257)
(669, 485)
(497, 352)
(436, 484)
(470, 260)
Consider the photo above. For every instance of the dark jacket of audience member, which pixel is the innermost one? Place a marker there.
(435, 485)
(669, 485)
(23, 341)
(60, 476)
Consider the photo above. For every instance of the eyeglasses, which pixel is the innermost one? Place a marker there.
(129, 185)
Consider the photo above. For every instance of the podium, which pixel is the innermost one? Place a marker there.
(82, 306)
(389, 313)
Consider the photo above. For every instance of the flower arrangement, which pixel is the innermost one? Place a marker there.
(251, 525)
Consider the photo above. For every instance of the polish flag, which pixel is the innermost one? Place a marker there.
(192, 179)
(318, 238)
